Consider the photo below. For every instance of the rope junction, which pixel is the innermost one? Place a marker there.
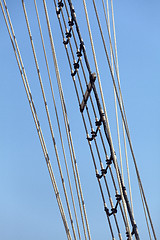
(88, 88)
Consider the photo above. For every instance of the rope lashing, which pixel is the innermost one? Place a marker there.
(134, 229)
(104, 170)
(68, 36)
(94, 133)
(60, 6)
(76, 67)
(79, 54)
(113, 210)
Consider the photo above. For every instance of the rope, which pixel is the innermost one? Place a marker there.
(61, 11)
(49, 121)
(118, 133)
(96, 65)
(34, 114)
(121, 106)
(103, 119)
(111, 50)
(82, 117)
(138, 176)
(145, 213)
(58, 123)
(67, 124)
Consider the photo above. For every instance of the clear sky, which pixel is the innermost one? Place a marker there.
(28, 208)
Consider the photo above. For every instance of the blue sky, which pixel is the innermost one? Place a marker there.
(28, 209)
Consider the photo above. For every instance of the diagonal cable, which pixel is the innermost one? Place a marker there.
(58, 123)
(67, 124)
(34, 114)
(122, 110)
(49, 120)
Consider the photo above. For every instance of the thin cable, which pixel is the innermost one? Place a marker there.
(66, 118)
(115, 45)
(61, 10)
(79, 32)
(126, 126)
(111, 50)
(125, 122)
(118, 133)
(73, 57)
(96, 65)
(58, 123)
(90, 120)
(91, 103)
(85, 127)
(106, 126)
(60, 91)
(49, 121)
(146, 216)
(35, 117)
(128, 135)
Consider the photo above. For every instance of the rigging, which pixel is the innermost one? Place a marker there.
(94, 116)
